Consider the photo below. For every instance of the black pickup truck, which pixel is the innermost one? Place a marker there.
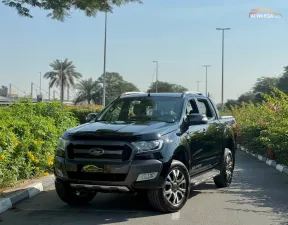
(159, 144)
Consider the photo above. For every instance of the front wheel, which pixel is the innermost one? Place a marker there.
(173, 196)
(73, 196)
(224, 179)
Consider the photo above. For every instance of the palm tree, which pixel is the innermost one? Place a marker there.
(65, 69)
(88, 90)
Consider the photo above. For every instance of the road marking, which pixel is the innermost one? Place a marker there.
(269, 162)
(88, 210)
(260, 157)
(279, 167)
(176, 215)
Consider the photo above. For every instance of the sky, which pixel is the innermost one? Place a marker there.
(181, 35)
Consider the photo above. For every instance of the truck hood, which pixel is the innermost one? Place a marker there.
(121, 130)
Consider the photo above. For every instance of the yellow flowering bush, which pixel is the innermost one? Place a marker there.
(28, 137)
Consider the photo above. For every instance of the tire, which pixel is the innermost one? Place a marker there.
(167, 203)
(70, 196)
(224, 179)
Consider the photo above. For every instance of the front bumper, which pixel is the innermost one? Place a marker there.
(121, 177)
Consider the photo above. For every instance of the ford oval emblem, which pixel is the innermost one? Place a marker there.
(96, 151)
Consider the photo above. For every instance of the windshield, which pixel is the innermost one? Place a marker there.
(142, 109)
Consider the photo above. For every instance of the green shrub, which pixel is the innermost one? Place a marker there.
(265, 126)
(81, 111)
(28, 137)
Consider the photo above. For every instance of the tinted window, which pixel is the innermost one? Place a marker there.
(191, 107)
(166, 109)
(204, 108)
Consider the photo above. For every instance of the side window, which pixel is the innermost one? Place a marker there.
(205, 108)
(188, 108)
(191, 107)
(114, 112)
(215, 108)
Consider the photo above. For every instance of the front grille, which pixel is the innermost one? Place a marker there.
(96, 176)
(112, 152)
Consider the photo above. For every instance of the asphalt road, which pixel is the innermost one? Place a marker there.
(258, 196)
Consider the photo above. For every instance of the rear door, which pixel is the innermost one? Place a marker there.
(212, 134)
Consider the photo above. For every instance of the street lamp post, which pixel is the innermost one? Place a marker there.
(156, 76)
(104, 67)
(222, 95)
(206, 79)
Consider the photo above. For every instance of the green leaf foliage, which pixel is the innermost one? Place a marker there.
(61, 9)
(265, 126)
(28, 137)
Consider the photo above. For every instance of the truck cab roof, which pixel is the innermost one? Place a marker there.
(168, 94)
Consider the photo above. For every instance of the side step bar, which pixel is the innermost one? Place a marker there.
(101, 188)
(199, 179)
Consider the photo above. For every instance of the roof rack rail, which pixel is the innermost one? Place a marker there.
(131, 93)
(191, 92)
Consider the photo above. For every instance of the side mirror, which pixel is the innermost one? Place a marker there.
(90, 117)
(197, 119)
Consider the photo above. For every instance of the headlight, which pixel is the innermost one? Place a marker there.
(61, 146)
(145, 146)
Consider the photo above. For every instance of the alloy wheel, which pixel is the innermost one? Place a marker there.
(175, 187)
(229, 167)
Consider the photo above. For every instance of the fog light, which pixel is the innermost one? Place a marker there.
(58, 172)
(147, 176)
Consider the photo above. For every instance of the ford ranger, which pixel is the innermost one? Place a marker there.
(160, 144)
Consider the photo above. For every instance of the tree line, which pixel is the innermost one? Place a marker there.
(91, 91)
(263, 85)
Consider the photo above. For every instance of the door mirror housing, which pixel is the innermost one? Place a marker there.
(197, 119)
(90, 117)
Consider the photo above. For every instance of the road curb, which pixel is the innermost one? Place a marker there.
(281, 168)
(26, 193)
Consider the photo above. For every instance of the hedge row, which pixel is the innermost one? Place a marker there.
(264, 127)
(28, 137)
(81, 111)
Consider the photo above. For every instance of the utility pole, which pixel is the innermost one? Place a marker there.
(10, 89)
(53, 95)
(206, 91)
(49, 92)
(62, 84)
(104, 66)
(68, 93)
(31, 89)
(222, 95)
(156, 84)
(198, 85)
(40, 84)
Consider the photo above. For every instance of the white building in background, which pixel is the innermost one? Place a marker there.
(13, 93)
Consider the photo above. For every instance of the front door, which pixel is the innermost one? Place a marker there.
(195, 137)
(213, 135)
